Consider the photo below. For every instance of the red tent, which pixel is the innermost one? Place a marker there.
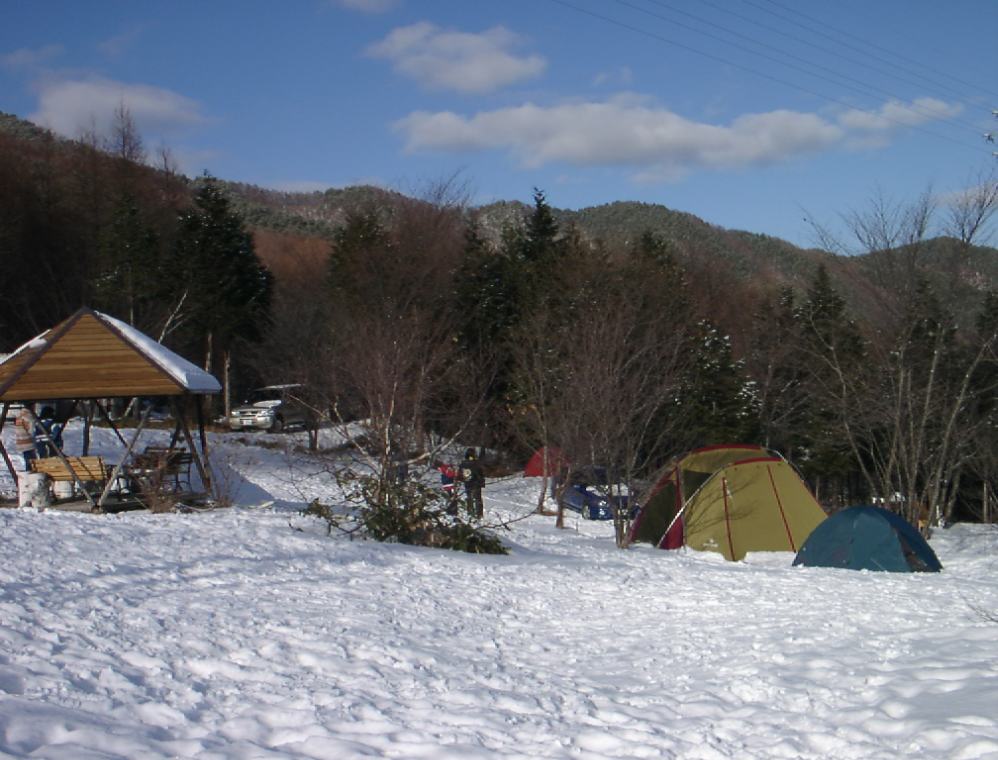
(547, 460)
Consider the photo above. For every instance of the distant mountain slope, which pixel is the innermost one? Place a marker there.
(960, 275)
(26, 130)
(749, 257)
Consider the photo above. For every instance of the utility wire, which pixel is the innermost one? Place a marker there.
(944, 90)
(863, 88)
(778, 80)
(824, 34)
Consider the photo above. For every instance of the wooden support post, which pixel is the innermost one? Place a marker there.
(200, 460)
(176, 428)
(88, 422)
(121, 463)
(3, 451)
(204, 441)
(110, 422)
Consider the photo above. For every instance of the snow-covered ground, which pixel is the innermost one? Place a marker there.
(248, 633)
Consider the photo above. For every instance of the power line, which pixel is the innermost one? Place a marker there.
(778, 80)
(863, 88)
(821, 32)
(946, 91)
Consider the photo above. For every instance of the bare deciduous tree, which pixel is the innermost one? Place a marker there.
(598, 380)
(909, 415)
(969, 212)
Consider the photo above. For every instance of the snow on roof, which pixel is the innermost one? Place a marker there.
(189, 375)
(37, 342)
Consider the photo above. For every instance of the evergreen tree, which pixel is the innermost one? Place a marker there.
(718, 399)
(651, 246)
(486, 294)
(540, 243)
(929, 327)
(833, 353)
(227, 287)
(778, 368)
(496, 289)
(987, 320)
(360, 247)
(129, 277)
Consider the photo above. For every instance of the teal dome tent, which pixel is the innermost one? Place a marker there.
(868, 538)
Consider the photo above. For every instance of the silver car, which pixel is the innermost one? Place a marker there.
(271, 408)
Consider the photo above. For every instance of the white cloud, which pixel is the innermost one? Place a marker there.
(69, 106)
(460, 61)
(894, 115)
(25, 58)
(119, 43)
(620, 77)
(622, 132)
(367, 6)
(632, 131)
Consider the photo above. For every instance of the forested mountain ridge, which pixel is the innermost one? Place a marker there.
(747, 255)
(962, 273)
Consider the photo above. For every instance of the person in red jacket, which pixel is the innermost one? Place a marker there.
(448, 484)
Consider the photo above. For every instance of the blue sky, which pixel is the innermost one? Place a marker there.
(747, 113)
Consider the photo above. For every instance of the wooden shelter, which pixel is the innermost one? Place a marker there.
(94, 357)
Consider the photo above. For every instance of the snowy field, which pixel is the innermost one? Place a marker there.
(230, 634)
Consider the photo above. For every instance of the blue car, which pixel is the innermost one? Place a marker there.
(590, 500)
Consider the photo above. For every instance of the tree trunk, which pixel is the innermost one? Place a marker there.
(542, 496)
(226, 379)
(207, 353)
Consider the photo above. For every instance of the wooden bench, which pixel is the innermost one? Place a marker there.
(164, 468)
(85, 470)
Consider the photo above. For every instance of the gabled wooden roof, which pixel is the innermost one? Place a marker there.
(92, 355)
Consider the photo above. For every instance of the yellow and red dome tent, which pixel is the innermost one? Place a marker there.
(729, 499)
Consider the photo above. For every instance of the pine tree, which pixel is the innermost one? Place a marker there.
(130, 276)
(779, 368)
(486, 296)
(833, 354)
(360, 246)
(718, 399)
(227, 288)
(540, 242)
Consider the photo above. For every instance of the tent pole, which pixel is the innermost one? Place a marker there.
(678, 515)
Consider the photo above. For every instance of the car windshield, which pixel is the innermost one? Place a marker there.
(264, 394)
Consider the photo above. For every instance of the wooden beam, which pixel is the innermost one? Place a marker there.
(128, 452)
(200, 460)
(88, 421)
(109, 421)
